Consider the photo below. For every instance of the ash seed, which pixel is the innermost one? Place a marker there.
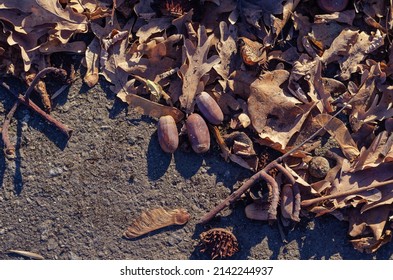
(319, 167)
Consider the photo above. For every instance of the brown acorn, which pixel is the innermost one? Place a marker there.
(168, 136)
(331, 6)
(198, 133)
(209, 108)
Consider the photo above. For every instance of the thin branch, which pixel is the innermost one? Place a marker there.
(62, 127)
(312, 201)
(297, 202)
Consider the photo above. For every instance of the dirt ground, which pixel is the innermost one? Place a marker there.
(72, 199)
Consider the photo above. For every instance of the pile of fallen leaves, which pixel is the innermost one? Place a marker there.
(286, 75)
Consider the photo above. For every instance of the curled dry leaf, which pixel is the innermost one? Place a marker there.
(370, 244)
(92, 62)
(374, 220)
(151, 108)
(155, 219)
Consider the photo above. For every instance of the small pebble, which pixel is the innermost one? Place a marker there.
(53, 172)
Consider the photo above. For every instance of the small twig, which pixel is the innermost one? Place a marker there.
(27, 254)
(63, 128)
(262, 174)
(9, 149)
(297, 203)
(312, 201)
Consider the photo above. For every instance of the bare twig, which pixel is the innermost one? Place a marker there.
(22, 99)
(297, 203)
(9, 149)
(27, 254)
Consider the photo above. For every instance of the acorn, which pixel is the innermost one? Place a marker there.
(331, 6)
(198, 133)
(319, 167)
(168, 136)
(209, 108)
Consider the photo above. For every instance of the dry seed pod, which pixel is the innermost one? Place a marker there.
(287, 201)
(218, 243)
(167, 134)
(198, 133)
(331, 6)
(209, 108)
(156, 219)
(257, 211)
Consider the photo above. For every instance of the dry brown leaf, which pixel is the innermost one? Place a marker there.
(270, 108)
(238, 148)
(195, 67)
(155, 219)
(150, 108)
(380, 108)
(92, 60)
(340, 46)
(339, 131)
(370, 244)
(153, 26)
(350, 180)
(364, 45)
(346, 17)
(374, 220)
(379, 151)
(227, 50)
(363, 95)
(144, 10)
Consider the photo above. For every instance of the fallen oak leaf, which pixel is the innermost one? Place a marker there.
(340, 46)
(227, 50)
(270, 108)
(153, 26)
(195, 67)
(155, 219)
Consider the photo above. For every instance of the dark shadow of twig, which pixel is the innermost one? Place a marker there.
(18, 178)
